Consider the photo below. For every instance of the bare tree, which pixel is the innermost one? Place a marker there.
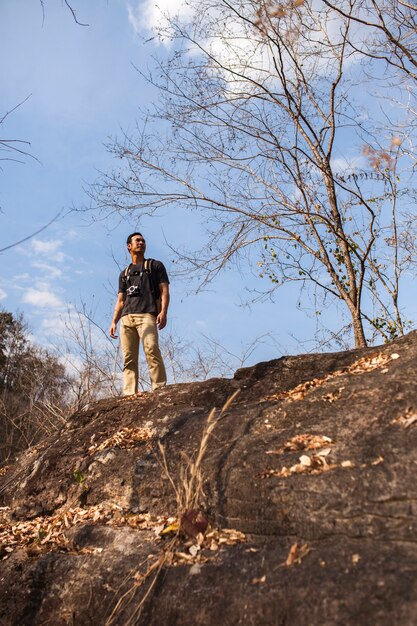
(33, 389)
(89, 358)
(388, 29)
(388, 38)
(187, 361)
(259, 115)
(69, 6)
(93, 364)
(13, 149)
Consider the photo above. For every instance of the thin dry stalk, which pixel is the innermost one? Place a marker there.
(154, 569)
(189, 488)
(188, 492)
(164, 464)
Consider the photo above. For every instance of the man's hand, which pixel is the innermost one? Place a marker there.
(118, 309)
(161, 320)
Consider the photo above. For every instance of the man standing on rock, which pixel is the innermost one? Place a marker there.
(142, 305)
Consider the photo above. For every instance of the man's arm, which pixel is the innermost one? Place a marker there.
(118, 308)
(161, 320)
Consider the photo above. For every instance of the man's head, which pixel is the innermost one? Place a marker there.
(136, 244)
(134, 235)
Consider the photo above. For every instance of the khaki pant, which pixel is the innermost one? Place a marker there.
(134, 328)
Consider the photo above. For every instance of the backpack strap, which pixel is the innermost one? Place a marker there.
(147, 266)
(156, 294)
(126, 273)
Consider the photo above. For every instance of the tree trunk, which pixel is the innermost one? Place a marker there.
(358, 333)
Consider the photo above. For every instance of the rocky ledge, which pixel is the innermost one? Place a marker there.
(294, 502)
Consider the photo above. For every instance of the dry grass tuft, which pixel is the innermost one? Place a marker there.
(189, 487)
(153, 570)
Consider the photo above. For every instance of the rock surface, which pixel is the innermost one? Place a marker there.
(310, 490)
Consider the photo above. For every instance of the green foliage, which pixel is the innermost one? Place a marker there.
(79, 477)
(389, 329)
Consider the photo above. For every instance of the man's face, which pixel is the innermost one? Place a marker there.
(137, 244)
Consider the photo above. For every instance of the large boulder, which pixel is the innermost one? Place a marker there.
(307, 480)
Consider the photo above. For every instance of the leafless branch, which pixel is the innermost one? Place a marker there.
(74, 15)
(17, 243)
(247, 132)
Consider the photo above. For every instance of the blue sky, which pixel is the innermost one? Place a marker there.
(81, 88)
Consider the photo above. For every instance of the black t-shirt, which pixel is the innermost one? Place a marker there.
(137, 287)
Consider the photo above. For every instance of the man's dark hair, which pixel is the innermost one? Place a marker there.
(129, 239)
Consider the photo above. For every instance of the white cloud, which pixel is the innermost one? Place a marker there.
(17, 278)
(3, 294)
(74, 364)
(53, 324)
(41, 286)
(46, 247)
(54, 329)
(51, 270)
(235, 43)
(348, 165)
(41, 298)
(151, 14)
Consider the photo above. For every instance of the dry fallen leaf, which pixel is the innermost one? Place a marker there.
(48, 533)
(159, 529)
(183, 556)
(296, 554)
(315, 464)
(173, 527)
(194, 550)
(324, 452)
(410, 420)
(306, 441)
(361, 366)
(377, 461)
(407, 419)
(200, 539)
(124, 438)
(259, 581)
(291, 555)
(195, 569)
